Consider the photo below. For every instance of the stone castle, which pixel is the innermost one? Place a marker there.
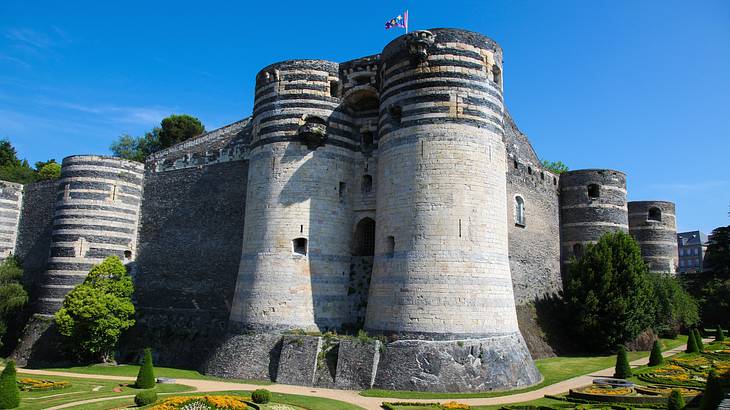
(391, 193)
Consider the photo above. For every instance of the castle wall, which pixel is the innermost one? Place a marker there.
(534, 246)
(654, 225)
(96, 215)
(11, 199)
(189, 249)
(295, 262)
(592, 203)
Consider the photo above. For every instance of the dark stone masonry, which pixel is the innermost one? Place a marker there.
(392, 194)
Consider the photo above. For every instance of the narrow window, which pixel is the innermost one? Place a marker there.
(577, 250)
(300, 246)
(365, 237)
(555, 181)
(67, 191)
(367, 140)
(113, 196)
(367, 184)
(390, 246)
(459, 228)
(496, 74)
(395, 112)
(517, 164)
(529, 170)
(655, 214)
(334, 88)
(519, 211)
(594, 191)
(542, 175)
(273, 163)
(341, 191)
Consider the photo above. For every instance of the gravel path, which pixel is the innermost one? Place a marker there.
(370, 403)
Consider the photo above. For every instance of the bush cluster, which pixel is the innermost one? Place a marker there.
(9, 391)
(261, 396)
(145, 397)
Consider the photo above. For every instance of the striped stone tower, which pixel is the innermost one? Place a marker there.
(592, 203)
(441, 269)
(96, 216)
(296, 246)
(654, 225)
(11, 199)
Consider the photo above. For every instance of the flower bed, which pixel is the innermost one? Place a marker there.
(603, 390)
(203, 403)
(665, 390)
(452, 405)
(28, 384)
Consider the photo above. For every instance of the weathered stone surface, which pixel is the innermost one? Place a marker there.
(357, 364)
(298, 360)
(494, 363)
(245, 357)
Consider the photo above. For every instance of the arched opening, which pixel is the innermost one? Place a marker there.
(655, 214)
(577, 250)
(300, 246)
(365, 237)
(496, 74)
(367, 184)
(519, 211)
(334, 88)
(594, 191)
(367, 140)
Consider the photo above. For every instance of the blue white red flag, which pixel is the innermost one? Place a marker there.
(400, 21)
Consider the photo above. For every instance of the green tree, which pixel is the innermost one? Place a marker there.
(692, 343)
(96, 312)
(48, 170)
(675, 401)
(178, 128)
(608, 294)
(8, 154)
(717, 258)
(676, 308)
(623, 369)
(13, 169)
(146, 374)
(698, 340)
(719, 334)
(712, 396)
(12, 294)
(656, 358)
(557, 167)
(9, 392)
(137, 148)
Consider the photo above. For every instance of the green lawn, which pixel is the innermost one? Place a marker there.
(306, 402)
(130, 370)
(553, 369)
(81, 389)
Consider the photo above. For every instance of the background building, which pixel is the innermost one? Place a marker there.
(692, 247)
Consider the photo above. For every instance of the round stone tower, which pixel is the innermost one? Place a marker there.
(441, 270)
(654, 225)
(96, 216)
(296, 246)
(592, 203)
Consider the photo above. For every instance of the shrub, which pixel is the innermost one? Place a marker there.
(719, 334)
(713, 393)
(676, 401)
(691, 343)
(9, 392)
(656, 358)
(623, 369)
(145, 397)
(261, 396)
(698, 340)
(146, 375)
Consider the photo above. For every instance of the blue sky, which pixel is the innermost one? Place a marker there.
(639, 86)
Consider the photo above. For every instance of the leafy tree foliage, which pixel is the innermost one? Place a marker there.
(12, 294)
(9, 391)
(717, 258)
(146, 374)
(623, 369)
(656, 358)
(676, 308)
(178, 128)
(557, 167)
(95, 313)
(12, 169)
(608, 293)
(173, 129)
(48, 170)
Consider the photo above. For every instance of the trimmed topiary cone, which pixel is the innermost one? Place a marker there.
(719, 334)
(676, 401)
(9, 391)
(698, 339)
(623, 369)
(146, 375)
(691, 343)
(712, 396)
(656, 358)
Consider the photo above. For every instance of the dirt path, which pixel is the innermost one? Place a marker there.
(370, 403)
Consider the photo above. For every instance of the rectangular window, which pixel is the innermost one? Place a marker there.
(342, 188)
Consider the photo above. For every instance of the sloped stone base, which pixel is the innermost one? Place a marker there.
(474, 365)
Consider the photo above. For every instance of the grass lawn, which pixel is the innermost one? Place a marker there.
(306, 402)
(130, 370)
(553, 369)
(80, 389)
